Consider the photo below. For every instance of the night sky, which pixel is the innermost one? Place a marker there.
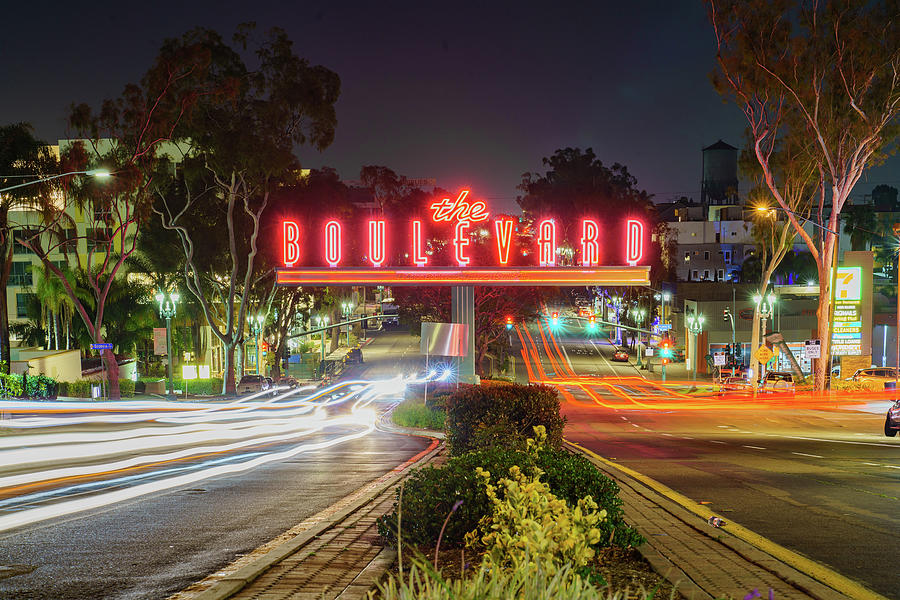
(472, 95)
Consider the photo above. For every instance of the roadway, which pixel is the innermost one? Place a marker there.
(156, 543)
(815, 476)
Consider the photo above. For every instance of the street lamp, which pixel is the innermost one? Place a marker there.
(322, 321)
(101, 173)
(695, 326)
(663, 297)
(255, 328)
(167, 306)
(347, 311)
(639, 314)
(765, 305)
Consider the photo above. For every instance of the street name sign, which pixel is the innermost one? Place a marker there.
(104, 346)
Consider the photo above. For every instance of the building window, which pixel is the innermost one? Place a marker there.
(706, 275)
(728, 257)
(22, 234)
(98, 239)
(720, 275)
(103, 213)
(695, 275)
(69, 241)
(687, 256)
(22, 305)
(19, 273)
(717, 237)
(706, 255)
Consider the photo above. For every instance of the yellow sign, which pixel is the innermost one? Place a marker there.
(763, 354)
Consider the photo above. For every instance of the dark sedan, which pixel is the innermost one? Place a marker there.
(892, 420)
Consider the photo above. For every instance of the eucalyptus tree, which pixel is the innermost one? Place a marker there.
(238, 153)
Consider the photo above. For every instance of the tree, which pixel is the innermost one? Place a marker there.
(576, 185)
(240, 152)
(860, 221)
(22, 158)
(825, 75)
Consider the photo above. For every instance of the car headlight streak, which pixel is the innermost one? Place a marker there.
(51, 473)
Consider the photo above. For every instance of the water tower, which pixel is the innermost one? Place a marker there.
(720, 181)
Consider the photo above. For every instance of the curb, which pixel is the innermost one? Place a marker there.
(235, 582)
(825, 581)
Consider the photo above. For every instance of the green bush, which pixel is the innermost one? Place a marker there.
(430, 493)
(200, 387)
(421, 582)
(76, 389)
(501, 415)
(12, 384)
(126, 388)
(415, 414)
(530, 527)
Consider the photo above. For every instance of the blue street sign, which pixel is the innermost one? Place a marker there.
(105, 346)
(664, 326)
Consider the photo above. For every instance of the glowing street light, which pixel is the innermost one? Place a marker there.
(322, 321)
(765, 305)
(99, 173)
(695, 326)
(167, 309)
(256, 324)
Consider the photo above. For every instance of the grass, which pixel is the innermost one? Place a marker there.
(414, 413)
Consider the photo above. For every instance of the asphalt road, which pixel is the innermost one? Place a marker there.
(157, 544)
(822, 481)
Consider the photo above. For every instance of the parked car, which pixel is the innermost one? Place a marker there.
(892, 420)
(354, 356)
(288, 381)
(779, 381)
(250, 384)
(621, 355)
(878, 374)
(735, 384)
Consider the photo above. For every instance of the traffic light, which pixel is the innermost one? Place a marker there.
(592, 323)
(665, 350)
(725, 313)
(509, 322)
(554, 319)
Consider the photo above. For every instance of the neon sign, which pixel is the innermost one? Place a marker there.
(462, 238)
(459, 210)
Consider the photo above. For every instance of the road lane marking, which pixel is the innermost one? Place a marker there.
(717, 442)
(755, 447)
(817, 571)
(635, 425)
(809, 455)
(799, 437)
(668, 435)
(686, 437)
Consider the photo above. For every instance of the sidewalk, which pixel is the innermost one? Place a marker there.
(338, 555)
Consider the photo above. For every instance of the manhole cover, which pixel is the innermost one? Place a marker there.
(7, 571)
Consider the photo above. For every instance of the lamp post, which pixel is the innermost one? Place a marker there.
(322, 320)
(897, 372)
(167, 305)
(256, 327)
(765, 305)
(92, 173)
(695, 326)
(663, 297)
(346, 311)
(639, 314)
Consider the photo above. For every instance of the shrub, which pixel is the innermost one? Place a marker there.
(126, 388)
(76, 389)
(423, 583)
(532, 528)
(501, 415)
(416, 414)
(12, 384)
(429, 495)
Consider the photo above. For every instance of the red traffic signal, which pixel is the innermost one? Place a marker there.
(509, 322)
(554, 319)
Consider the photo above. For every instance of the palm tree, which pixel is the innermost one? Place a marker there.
(56, 306)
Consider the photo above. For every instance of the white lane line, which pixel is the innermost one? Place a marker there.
(799, 437)
(686, 437)
(623, 418)
(717, 442)
(809, 455)
(755, 447)
(668, 435)
(724, 426)
(635, 425)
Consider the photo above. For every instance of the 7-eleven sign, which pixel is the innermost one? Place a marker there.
(848, 286)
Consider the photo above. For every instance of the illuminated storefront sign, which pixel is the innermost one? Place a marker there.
(461, 216)
(848, 327)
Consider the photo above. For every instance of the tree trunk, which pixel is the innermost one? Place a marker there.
(823, 315)
(112, 374)
(239, 354)
(228, 383)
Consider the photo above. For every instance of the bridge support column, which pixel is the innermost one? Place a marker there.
(462, 310)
